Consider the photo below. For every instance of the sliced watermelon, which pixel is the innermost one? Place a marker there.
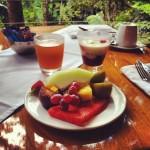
(80, 117)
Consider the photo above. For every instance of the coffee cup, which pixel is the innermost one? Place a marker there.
(127, 35)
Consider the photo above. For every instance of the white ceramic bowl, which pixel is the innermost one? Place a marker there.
(23, 48)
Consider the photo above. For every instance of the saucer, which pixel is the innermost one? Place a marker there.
(137, 47)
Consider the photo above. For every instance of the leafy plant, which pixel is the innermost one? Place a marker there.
(32, 11)
(144, 7)
(140, 11)
(79, 10)
(66, 14)
(95, 19)
(124, 16)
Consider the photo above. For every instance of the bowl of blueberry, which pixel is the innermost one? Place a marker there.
(21, 39)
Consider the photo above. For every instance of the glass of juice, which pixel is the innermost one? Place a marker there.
(93, 45)
(49, 51)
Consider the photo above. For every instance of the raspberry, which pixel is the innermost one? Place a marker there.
(75, 99)
(55, 99)
(72, 90)
(76, 84)
(67, 98)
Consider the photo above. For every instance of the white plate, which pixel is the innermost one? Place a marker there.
(115, 108)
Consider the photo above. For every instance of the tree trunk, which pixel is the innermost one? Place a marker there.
(46, 14)
(15, 12)
(112, 7)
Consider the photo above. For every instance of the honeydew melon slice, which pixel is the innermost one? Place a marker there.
(62, 79)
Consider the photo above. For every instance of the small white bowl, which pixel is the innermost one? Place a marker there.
(23, 48)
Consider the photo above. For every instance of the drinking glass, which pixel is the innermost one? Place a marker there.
(49, 50)
(93, 45)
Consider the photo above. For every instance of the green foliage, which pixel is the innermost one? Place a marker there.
(144, 24)
(66, 14)
(54, 11)
(87, 11)
(1, 23)
(124, 16)
(95, 19)
(143, 35)
(144, 7)
(4, 2)
(78, 10)
(32, 11)
(140, 11)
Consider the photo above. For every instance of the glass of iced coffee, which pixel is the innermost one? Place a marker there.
(93, 47)
(49, 50)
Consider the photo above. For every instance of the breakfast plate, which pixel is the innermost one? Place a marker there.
(114, 109)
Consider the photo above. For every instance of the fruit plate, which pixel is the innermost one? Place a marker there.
(114, 109)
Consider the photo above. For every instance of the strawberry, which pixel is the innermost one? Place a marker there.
(36, 87)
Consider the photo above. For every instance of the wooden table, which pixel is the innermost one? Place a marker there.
(130, 131)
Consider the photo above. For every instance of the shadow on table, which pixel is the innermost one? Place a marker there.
(79, 137)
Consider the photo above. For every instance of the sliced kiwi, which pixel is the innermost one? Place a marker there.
(102, 90)
(98, 77)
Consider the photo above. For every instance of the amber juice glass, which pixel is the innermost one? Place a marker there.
(49, 51)
(94, 46)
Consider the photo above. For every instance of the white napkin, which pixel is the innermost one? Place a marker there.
(131, 73)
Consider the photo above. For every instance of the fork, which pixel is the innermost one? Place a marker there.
(146, 68)
(143, 74)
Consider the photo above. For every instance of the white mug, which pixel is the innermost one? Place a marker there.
(127, 35)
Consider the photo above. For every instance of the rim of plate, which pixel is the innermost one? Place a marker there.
(75, 127)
